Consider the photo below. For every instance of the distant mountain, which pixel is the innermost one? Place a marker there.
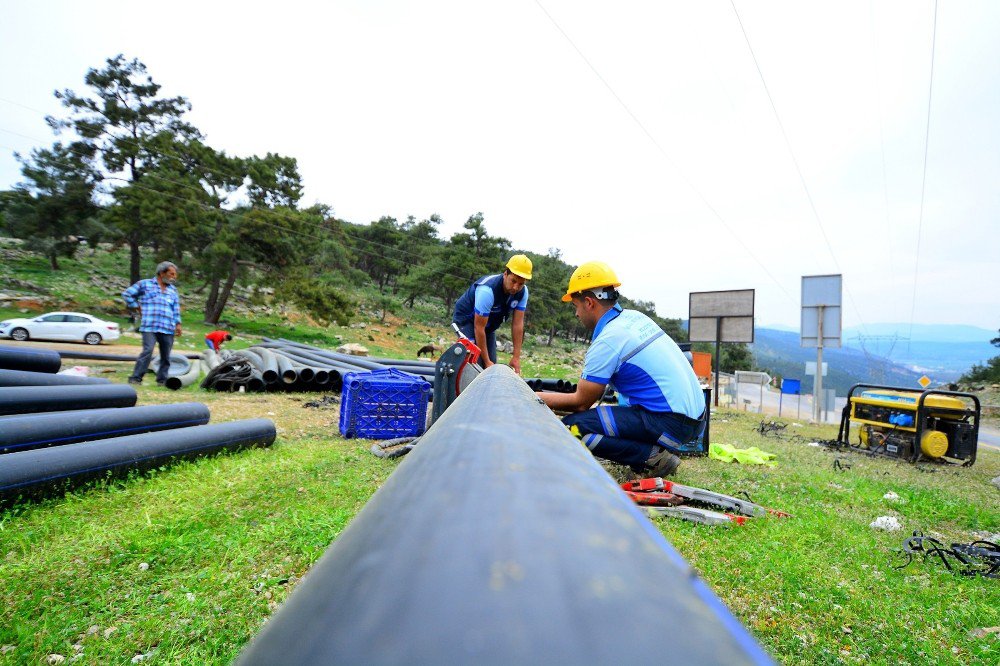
(780, 353)
(925, 332)
(942, 352)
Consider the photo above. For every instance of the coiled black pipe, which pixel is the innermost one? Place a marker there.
(27, 358)
(32, 431)
(36, 472)
(34, 399)
(529, 554)
(29, 378)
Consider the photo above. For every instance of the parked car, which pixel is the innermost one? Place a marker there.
(72, 326)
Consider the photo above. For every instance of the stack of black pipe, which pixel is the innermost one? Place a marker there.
(54, 435)
(283, 365)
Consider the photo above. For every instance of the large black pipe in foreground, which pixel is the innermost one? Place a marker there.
(33, 399)
(28, 358)
(28, 378)
(33, 431)
(500, 540)
(31, 473)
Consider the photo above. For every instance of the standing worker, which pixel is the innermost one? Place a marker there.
(159, 308)
(489, 302)
(662, 410)
(215, 339)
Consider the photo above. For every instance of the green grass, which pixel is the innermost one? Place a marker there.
(236, 532)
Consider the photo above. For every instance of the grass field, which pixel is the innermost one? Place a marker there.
(184, 564)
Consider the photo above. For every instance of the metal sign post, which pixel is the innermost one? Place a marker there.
(821, 323)
(721, 316)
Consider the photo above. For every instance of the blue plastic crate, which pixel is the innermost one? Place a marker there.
(383, 404)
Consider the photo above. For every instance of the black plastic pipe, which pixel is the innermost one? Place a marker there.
(519, 549)
(27, 358)
(34, 399)
(37, 472)
(33, 431)
(269, 369)
(402, 361)
(285, 369)
(29, 378)
(92, 356)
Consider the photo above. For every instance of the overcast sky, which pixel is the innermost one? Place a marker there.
(638, 133)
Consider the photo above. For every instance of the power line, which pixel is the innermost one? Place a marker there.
(881, 139)
(795, 162)
(923, 181)
(660, 148)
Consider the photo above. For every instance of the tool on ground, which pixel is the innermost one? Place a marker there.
(696, 515)
(941, 426)
(659, 493)
(394, 448)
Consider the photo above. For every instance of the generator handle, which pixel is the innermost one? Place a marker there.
(920, 421)
(844, 433)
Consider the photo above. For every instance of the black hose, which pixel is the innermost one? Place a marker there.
(29, 378)
(519, 549)
(36, 472)
(91, 356)
(28, 358)
(34, 399)
(32, 431)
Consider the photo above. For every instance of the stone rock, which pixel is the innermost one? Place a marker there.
(996, 482)
(354, 349)
(887, 523)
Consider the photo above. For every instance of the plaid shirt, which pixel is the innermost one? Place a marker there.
(161, 310)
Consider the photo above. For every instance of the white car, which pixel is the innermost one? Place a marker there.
(73, 326)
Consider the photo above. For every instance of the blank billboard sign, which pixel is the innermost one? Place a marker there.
(726, 315)
(821, 294)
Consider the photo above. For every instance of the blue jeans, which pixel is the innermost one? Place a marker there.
(629, 435)
(149, 339)
(491, 342)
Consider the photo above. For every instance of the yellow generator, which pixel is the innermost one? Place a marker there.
(909, 424)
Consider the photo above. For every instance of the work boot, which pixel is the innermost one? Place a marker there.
(662, 463)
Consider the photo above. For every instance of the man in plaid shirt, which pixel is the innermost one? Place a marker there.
(159, 307)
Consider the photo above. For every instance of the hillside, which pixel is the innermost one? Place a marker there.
(780, 353)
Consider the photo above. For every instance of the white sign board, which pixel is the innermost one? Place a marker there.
(755, 378)
(821, 296)
(721, 316)
(811, 368)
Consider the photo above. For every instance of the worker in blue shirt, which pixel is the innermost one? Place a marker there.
(662, 406)
(159, 307)
(488, 303)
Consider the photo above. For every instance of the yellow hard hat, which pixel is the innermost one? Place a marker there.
(590, 275)
(520, 265)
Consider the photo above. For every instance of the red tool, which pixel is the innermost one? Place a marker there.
(657, 490)
(474, 351)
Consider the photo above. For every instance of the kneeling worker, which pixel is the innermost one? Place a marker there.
(488, 303)
(662, 406)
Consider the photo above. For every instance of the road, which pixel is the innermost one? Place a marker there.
(792, 406)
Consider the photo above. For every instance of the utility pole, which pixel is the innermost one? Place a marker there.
(818, 384)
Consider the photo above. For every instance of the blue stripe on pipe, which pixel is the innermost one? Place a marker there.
(107, 433)
(128, 463)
